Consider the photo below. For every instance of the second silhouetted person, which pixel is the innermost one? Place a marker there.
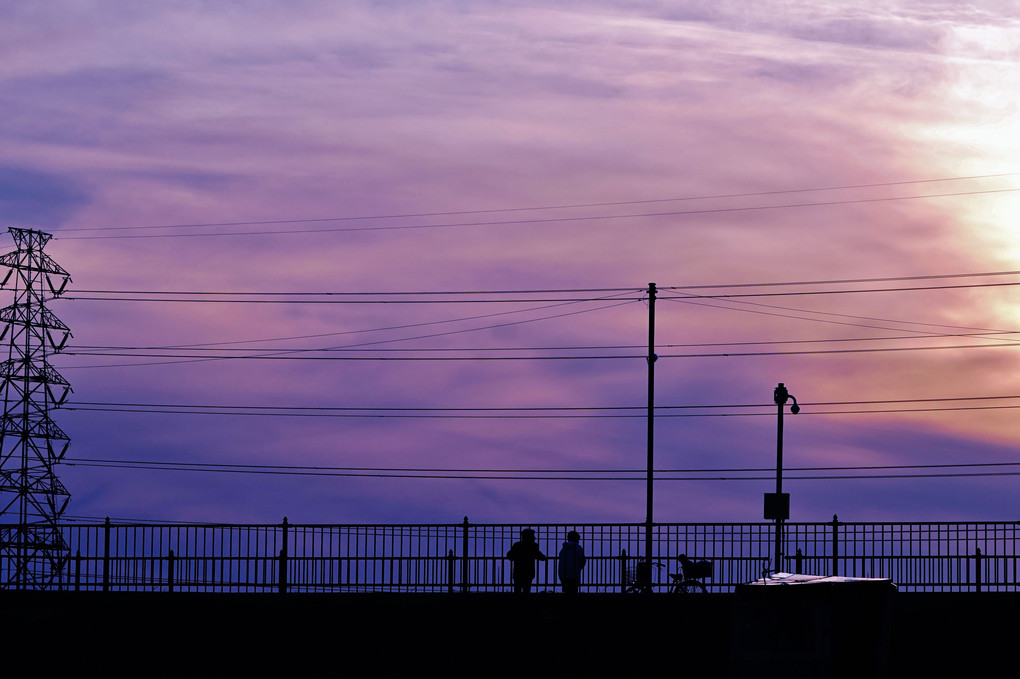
(571, 562)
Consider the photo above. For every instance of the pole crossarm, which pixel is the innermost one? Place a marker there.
(32, 498)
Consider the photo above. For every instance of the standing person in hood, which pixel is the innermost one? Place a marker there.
(571, 562)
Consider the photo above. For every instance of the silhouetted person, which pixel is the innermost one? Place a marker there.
(523, 555)
(571, 562)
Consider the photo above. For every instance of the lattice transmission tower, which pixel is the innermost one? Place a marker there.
(32, 548)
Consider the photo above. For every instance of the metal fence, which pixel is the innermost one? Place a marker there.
(111, 556)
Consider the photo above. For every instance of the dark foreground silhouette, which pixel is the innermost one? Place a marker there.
(182, 634)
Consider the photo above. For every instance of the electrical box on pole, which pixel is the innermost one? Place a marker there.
(777, 506)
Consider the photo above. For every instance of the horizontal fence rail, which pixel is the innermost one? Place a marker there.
(460, 557)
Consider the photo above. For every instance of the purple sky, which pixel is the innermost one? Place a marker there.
(125, 114)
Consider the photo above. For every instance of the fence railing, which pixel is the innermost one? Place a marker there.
(971, 556)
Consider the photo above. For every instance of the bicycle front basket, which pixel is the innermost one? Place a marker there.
(698, 570)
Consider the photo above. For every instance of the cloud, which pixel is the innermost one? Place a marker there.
(38, 199)
(191, 114)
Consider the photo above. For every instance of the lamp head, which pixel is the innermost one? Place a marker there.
(780, 394)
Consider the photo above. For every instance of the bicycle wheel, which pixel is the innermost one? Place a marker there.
(693, 587)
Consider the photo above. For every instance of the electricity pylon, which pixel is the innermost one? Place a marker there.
(32, 548)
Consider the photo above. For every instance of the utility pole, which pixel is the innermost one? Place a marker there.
(32, 498)
(652, 358)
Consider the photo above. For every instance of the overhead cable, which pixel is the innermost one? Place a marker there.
(546, 207)
(545, 220)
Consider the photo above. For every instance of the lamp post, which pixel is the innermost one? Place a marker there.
(777, 505)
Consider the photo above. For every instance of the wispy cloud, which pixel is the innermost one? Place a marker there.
(122, 115)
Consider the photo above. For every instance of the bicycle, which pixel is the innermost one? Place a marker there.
(637, 577)
(690, 577)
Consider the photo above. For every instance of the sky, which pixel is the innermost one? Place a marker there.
(558, 157)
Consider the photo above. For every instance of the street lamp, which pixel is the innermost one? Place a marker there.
(777, 504)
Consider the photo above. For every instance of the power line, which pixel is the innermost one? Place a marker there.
(801, 293)
(844, 281)
(98, 349)
(546, 207)
(536, 412)
(349, 301)
(288, 355)
(684, 300)
(79, 517)
(821, 352)
(348, 293)
(519, 300)
(520, 470)
(804, 404)
(546, 220)
(676, 299)
(404, 326)
(918, 334)
(536, 291)
(572, 475)
(532, 417)
(983, 331)
(284, 354)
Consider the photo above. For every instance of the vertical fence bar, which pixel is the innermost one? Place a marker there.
(451, 569)
(283, 560)
(106, 555)
(170, 571)
(977, 569)
(621, 559)
(464, 559)
(835, 545)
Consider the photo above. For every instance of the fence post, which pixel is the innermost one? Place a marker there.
(465, 583)
(977, 568)
(799, 561)
(106, 555)
(171, 563)
(283, 560)
(623, 570)
(77, 570)
(451, 570)
(835, 545)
